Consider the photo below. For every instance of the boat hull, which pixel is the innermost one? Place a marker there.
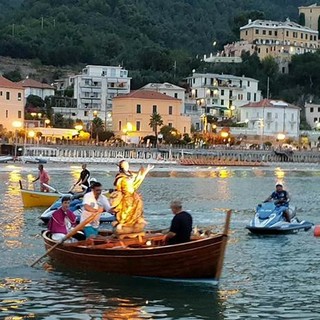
(196, 259)
(32, 198)
(293, 229)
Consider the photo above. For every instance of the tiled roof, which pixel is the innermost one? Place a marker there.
(5, 83)
(268, 103)
(146, 94)
(30, 83)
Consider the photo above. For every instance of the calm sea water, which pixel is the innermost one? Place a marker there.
(270, 277)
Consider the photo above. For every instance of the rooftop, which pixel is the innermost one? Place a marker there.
(268, 103)
(30, 83)
(6, 83)
(146, 94)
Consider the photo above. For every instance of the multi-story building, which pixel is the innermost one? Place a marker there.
(33, 87)
(270, 118)
(309, 16)
(278, 39)
(221, 95)
(132, 112)
(94, 89)
(11, 104)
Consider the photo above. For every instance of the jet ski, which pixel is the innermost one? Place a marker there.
(76, 208)
(269, 219)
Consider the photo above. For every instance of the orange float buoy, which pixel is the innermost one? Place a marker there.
(316, 231)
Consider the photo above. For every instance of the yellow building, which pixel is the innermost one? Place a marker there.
(131, 114)
(279, 39)
(11, 104)
(310, 15)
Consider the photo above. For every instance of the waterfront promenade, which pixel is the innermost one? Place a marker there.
(165, 154)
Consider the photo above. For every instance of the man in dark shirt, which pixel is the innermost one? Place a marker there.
(181, 225)
(84, 177)
(281, 199)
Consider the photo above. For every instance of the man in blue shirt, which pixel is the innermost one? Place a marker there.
(281, 199)
(181, 225)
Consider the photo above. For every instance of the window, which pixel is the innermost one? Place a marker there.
(264, 32)
(0, 93)
(85, 113)
(269, 115)
(170, 109)
(311, 109)
(248, 96)
(276, 33)
(19, 96)
(257, 31)
(119, 126)
(19, 114)
(222, 102)
(248, 83)
(170, 124)
(184, 130)
(318, 109)
(270, 33)
(8, 95)
(287, 33)
(301, 35)
(222, 92)
(138, 108)
(138, 125)
(254, 97)
(315, 119)
(154, 109)
(176, 95)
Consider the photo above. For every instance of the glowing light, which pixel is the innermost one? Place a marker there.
(281, 136)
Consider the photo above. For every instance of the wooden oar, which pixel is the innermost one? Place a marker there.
(79, 227)
(51, 188)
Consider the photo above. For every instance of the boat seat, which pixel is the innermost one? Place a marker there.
(139, 235)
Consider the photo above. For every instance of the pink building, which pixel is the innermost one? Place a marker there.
(11, 104)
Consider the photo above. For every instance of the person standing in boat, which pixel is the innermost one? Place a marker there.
(44, 178)
(62, 220)
(94, 203)
(181, 225)
(126, 202)
(281, 199)
(84, 177)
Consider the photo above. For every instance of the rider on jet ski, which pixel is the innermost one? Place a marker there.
(281, 199)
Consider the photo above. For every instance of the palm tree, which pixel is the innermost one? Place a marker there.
(155, 122)
(97, 126)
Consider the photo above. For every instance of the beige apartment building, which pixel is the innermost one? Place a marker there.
(11, 104)
(310, 15)
(131, 114)
(279, 39)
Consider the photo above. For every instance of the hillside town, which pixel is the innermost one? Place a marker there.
(209, 108)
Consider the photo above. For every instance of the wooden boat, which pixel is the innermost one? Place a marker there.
(145, 255)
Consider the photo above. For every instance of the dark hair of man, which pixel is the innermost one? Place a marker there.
(65, 198)
(96, 185)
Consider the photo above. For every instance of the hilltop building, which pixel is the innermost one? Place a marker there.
(271, 117)
(11, 104)
(278, 39)
(309, 16)
(131, 114)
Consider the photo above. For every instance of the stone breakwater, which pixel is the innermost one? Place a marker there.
(97, 154)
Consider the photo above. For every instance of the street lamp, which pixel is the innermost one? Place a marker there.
(16, 125)
(47, 122)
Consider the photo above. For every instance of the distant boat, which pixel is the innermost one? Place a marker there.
(33, 198)
(5, 159)
(144, 255)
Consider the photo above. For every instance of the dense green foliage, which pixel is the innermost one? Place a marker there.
(156, 40)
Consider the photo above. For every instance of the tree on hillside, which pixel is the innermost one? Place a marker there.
(155, 122)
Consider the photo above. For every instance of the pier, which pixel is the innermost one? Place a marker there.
(102, 154)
